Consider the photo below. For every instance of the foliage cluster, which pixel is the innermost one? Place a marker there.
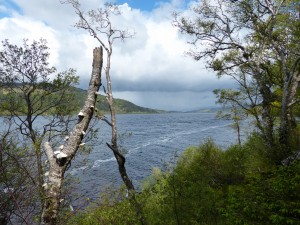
(255, 43)
(211, 186)
(114, 208)
(14, 181)
(30, 88)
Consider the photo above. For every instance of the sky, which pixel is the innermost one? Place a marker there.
(150, 69)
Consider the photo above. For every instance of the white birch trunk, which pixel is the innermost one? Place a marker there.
(59, 160)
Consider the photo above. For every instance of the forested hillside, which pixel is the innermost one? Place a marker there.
(122, 106)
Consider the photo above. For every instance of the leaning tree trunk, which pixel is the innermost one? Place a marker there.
(115, 148)
(59, 160)
(114, 140)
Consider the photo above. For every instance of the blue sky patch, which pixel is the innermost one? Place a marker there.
(7, 7)
(144, 5)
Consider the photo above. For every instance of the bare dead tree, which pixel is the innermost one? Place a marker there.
(99, 25)
(60, 159)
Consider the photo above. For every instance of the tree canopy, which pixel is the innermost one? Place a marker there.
(256, 43)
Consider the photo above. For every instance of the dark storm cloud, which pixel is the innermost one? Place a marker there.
(148, 84)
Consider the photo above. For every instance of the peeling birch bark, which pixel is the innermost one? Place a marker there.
(59, 160)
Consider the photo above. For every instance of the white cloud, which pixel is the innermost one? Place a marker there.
(19, 27)
(51, 12)
(151, 61)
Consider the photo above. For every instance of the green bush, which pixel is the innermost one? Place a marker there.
(113, 209)
(267, 198)
(208, 185)
(190, 193)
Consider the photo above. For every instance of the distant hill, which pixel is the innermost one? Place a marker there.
(122, 106)
(205, 110)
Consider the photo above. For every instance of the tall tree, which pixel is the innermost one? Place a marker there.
(28, 94)
(255, 43)
(284, 39)
(99, 25)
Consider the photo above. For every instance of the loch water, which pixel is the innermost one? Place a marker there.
(150, 140)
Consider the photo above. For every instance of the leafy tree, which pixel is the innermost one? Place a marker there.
(29, 93)
(35, 100)
(256, 44)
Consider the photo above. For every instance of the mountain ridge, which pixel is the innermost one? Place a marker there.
(122, 106)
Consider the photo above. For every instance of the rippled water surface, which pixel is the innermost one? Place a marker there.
(154, 139)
